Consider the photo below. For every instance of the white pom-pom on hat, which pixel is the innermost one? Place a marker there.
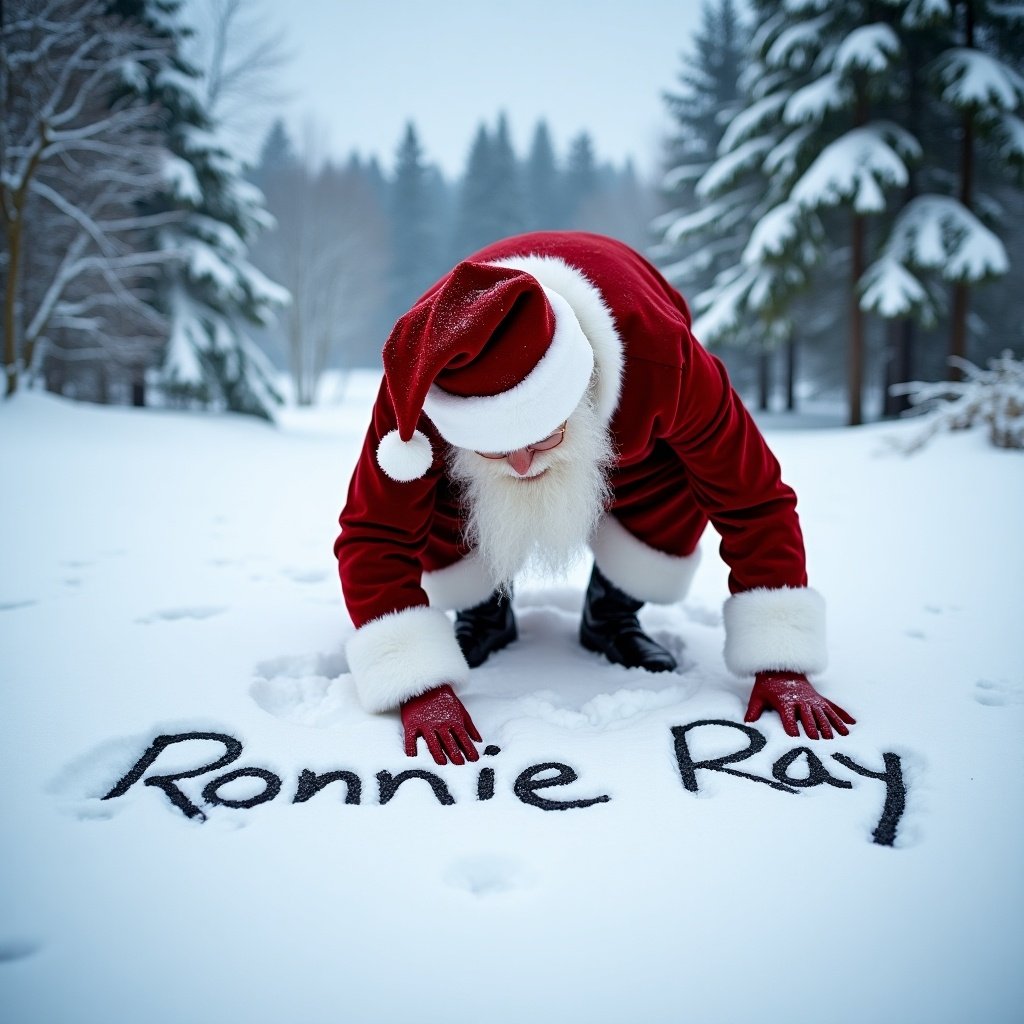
(404, 460)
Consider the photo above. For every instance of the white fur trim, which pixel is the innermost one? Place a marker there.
(594, 316)
(404, 460)
(464, 584)
(775, 630)
(530, 410)
(641, 571)
(404, 654)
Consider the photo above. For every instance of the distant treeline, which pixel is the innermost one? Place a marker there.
(355, 246)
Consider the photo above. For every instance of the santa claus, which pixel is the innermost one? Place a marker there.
(544, 397)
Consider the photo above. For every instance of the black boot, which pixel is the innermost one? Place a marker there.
(610, 627)
(486, 628)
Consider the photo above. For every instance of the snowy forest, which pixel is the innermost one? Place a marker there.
(840, 200)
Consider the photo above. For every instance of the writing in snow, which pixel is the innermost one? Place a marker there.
(799, 768)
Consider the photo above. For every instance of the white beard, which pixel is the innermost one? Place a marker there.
(545, 520)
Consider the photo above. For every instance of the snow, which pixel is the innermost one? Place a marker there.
(181, 179)
(855, 166)
(869, 48)
(167, 572)
(940, 232)
(189, 85)
(699, 219)
(811, 103)
(793, 44)
(206, 264)
(1011, 141)
(188, 336)
(975, 79)
(891, 290)
(772, 233)
(727, 168)
(919, 13)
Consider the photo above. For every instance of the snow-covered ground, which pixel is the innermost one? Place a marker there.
(163, 574)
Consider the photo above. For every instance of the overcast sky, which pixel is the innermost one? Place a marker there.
(361, 68)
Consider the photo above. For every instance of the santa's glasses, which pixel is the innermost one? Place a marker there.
(553, 440)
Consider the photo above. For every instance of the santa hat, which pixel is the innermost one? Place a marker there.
(495, 360)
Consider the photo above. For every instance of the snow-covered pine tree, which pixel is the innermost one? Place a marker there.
(213, 294)
(976, 94)
(706, 228)
(832, 88)
(699, 239)
(760, 250)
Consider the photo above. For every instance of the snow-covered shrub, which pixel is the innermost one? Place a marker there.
(994, 396)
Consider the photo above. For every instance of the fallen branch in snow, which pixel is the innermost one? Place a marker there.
(994, 396)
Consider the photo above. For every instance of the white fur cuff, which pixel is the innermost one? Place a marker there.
(463, 584)
(641, 571)
(404, 654)
(775, 630)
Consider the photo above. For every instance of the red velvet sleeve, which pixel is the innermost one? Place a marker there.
(384, 526)
(736, 478)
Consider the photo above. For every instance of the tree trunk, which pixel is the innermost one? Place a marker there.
(10, 307)
(764, 377)
(961, 290)
(791, 358)
(139, 391)
(899, 364)
(855, 355)
(102, 385)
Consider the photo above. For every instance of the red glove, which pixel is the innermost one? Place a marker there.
(443, 722)
(791, 694)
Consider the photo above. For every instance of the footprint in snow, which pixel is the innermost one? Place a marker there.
(702, 615)
(17, 949)
(314, 690)
(10, 606)
(488, 874)
(994, 694)
(305, 575)
(177, 614)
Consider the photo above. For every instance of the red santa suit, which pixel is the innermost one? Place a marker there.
(497, 355)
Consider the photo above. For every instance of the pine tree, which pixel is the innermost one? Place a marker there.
(706, 226)
(986, 93)
(491, 204)
(822, 146)
(507, 202)
(276, 154)
(213, 295)
(544, 197)
(754, 275)
(622, 206)
(697, 243)
(414, 225)
(471, 226)
(581, 176)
